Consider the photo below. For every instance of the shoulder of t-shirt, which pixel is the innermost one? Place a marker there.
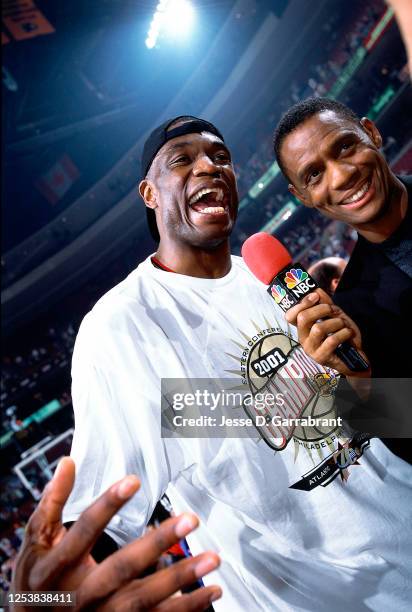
(132, 289)
(127, 298)
(242, 267)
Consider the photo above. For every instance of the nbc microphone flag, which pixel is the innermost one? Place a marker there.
(294, 277)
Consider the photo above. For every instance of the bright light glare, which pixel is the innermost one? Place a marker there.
(179, 17)
(175, 17)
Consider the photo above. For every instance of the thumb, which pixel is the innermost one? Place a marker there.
(58, 490)
(324, 297)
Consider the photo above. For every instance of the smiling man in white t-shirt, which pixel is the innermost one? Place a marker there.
(303, 518)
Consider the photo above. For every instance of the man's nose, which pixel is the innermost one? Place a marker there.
(205, 165)
(342, 175)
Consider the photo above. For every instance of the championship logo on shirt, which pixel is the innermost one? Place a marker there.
(275, 364)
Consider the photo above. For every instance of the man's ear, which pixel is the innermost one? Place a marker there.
(372, 131)
(334, 283)
(148, 193)
(300, 196)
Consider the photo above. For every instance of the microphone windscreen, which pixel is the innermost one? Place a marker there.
(265, 256)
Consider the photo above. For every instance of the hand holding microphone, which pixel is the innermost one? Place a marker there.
(325, 332)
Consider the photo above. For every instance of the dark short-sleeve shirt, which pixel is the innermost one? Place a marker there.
(376, 291)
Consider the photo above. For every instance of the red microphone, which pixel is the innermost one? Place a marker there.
(265, 256)
(289, 283)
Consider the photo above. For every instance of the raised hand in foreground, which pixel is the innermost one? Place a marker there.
(53, 558)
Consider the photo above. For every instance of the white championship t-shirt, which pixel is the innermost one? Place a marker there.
(303, 518)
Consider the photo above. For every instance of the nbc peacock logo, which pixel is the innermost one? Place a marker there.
(294, 277)
(278, 293)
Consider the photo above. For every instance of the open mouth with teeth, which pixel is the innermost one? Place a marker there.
(359, 195)
(209, 201)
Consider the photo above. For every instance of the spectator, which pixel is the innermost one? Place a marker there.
(327, 273)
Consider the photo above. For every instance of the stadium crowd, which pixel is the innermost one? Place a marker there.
(344, 34)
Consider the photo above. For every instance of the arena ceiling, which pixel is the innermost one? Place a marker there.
(80, 87)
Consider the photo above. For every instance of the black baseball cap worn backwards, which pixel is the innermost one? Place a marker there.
(159, 137)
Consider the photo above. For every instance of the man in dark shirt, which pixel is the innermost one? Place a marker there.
(377, 290)
(333, 162)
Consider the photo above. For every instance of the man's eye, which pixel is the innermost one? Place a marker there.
(313, 175)
(182, 159)
(346, 146)
(223, 157)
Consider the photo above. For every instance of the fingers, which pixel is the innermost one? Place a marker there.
(129, 598)
(160, 586)
(61, 487)
(305, 307)
(307, 317)
(307, 302)
(325, 352)
(313, 298)
(133, 559)
(322, 327)
(83, 534)
(321, 330)
(198, 600)
(55, 495)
